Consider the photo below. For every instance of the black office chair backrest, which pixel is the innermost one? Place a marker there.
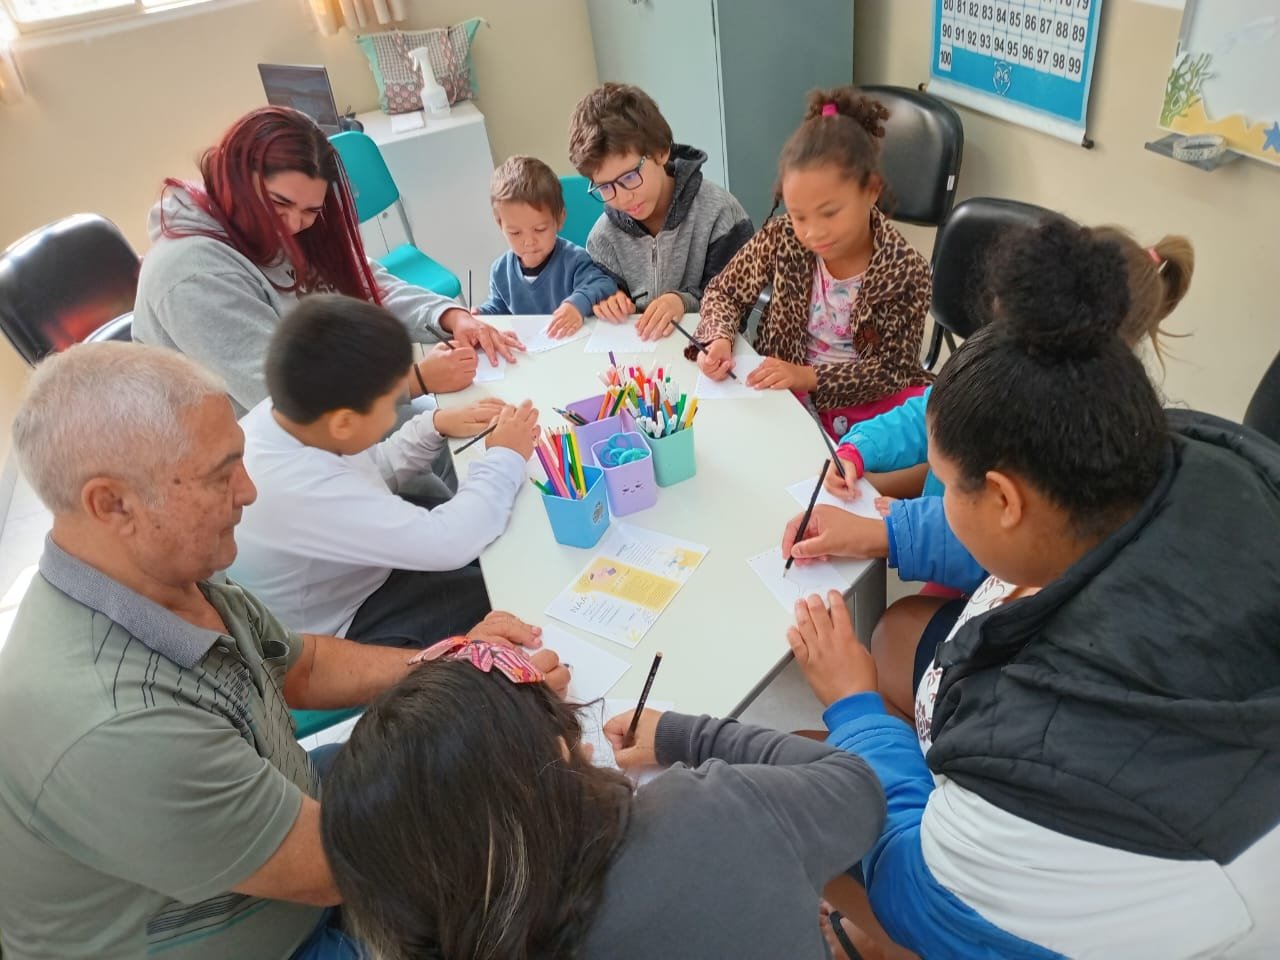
(920, 155)
(1263, 414)
(121, 329)
(64, 281)
(961, 252)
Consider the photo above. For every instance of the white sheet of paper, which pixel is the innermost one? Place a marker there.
(404, 122)
(619, 338)
(593, 672)
(532, 332)
(593, 718)
(627, 584)
(864, 506)
(488, 374)
(728, 388)
(799, 581)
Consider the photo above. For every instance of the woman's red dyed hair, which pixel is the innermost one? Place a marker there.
(327, 256)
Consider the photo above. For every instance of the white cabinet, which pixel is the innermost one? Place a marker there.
(443, 172)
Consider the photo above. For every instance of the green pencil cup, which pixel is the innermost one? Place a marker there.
(673, 458)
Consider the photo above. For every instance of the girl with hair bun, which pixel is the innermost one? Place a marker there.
(1095, 764)
(850, 295)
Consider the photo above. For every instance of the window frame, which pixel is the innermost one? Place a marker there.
(124, 12)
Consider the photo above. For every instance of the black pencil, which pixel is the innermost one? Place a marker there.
(697, 343)
(808, 512)
(831, 447)
(630, 739)
(441, 337)
(478, 437)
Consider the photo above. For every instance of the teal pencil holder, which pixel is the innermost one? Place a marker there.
(673, 458)
(580, 523)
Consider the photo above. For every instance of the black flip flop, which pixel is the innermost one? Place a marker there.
(837, 928)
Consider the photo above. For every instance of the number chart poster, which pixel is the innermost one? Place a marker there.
(1029, 61)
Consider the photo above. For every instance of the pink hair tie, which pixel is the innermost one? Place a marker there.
(829, 109)
(484, 656)
(1155, 257)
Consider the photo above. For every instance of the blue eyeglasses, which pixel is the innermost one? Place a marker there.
(630, 180)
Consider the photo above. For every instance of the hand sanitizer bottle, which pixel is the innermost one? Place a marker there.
(435, 101)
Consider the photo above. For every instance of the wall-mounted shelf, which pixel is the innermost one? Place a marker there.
(1164, 147)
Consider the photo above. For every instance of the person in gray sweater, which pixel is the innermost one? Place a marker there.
(270, 221)
(464, 819)
(665, 231)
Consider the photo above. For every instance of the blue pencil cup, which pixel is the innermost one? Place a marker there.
(580, 523)
(593, 431)
(673, 459)
(628, 478)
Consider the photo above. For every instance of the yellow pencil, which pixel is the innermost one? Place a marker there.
(688, 417)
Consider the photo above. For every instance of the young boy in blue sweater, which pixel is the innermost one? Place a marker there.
(542, 273)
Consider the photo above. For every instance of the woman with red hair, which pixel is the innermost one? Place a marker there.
(273, 221)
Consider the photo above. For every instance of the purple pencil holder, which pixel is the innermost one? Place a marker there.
(631, 485)
(593, 431)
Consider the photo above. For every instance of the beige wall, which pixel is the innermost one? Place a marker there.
(1231, 215)
(111, 115)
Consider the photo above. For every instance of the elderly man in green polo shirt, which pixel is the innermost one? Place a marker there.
(153, 799)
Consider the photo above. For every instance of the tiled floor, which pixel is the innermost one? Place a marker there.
(786, 704)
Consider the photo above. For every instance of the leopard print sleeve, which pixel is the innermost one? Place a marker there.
(735, 289)
(888, 341)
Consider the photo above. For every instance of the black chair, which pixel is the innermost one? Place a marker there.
(1263, 414)
(960, 261)
(921, 154)
(63, 282)
(920, 158)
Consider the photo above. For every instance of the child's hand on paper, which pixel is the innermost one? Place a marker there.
(884, 505)
(469, 420)
(554, 673)
(447, 371)
(642, 753)
(658, 317)
(824, 644)
(846, 487)
(565, 322)
(517, 429)
(717, 360)
(615, 308)
(775, 374)
(833, 532)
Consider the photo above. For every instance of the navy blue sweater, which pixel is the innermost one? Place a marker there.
(569, 274)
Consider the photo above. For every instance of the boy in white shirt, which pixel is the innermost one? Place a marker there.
(329, 546)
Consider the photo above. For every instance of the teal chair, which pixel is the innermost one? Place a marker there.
(581, 210)
(310, 722)
(375, 191)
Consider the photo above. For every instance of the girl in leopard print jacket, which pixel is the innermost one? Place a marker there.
(850, 295)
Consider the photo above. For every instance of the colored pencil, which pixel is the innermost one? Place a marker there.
(630, 739)
(477, 438)
(808, 512)
(697, 343)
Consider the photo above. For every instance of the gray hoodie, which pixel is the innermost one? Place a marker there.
(726, 854)
(704, 228)
(204, 298)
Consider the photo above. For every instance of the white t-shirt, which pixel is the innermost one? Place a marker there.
(832, 304)
(988, 596)
(327, 530)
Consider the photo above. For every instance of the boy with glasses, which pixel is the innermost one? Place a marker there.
(665, 231)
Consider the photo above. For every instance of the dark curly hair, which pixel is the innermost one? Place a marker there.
(849, 138)
(1049, 390)
(460, 820)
